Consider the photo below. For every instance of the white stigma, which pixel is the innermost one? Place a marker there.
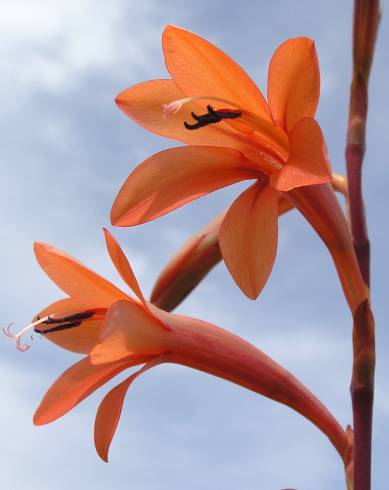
(18, 336)
(176, 105)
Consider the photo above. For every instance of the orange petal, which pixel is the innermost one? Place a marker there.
(171, 178)
(200, 68)
(122, 265)
(110, 409)
(143, 103)
(81, 339)
(75, 384)
(248, 238)
(205, 347)
(307, 163)
(193, 261)
(76, 280)
(129, 329)
(321, 208)
(294, 82)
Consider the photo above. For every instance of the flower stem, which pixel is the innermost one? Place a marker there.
(362, 394)
(366, 20)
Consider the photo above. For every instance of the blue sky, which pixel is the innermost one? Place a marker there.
(65, 150)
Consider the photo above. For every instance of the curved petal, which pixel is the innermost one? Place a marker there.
(321, 208)
(205, 347)
(200, 68)
(129, 330)
(122, 265)
(144, 102)
(293, 81)
(79, 282)
(171, 178)
(193, 261)
(248, 238)
(80, 339)
(75, 384)
(307, 163)
(110, 409)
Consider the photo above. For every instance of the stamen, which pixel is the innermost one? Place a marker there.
(247, 120)
(61, 323)
(57, 328)
(176, 105)
(211, 117)
(70, 318)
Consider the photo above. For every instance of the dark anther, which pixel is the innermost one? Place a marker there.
(65, 322)
(211, 117)
(71, 318)
(196, 117)
(57, 328)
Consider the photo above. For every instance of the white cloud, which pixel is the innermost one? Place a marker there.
(50, 44)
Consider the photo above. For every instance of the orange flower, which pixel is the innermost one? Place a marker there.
(192, 262)
(121, 332)
(240, 137)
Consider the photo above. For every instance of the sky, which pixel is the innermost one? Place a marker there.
(66, 149)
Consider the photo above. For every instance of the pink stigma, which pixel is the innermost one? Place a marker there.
(18, 336)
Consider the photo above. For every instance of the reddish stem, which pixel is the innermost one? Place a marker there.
(362, 394)
(366, 20)
(355, 151)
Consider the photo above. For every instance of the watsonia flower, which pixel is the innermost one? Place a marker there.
(118, 332)
(200, 254)
(234, 134)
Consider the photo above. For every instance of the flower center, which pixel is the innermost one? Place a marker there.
(56, 325)
(248, 121)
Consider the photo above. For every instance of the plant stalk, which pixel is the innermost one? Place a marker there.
(365, 27)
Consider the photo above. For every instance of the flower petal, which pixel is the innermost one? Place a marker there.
(307, 163)
(193, 261)
(248, 238)
(79, 282)
(143, 103)
(109, 411)
(200, 68)
(129, 330)
(122, 265)
(321, 208)
(75, 384)
(171, 178)
(205, 347)
(294, 81)
(80, 339)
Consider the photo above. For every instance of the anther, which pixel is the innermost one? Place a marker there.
(211, 117)
(60, 323)
(57, 328)
(70, 318)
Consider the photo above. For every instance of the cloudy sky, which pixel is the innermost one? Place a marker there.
(65, 150)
